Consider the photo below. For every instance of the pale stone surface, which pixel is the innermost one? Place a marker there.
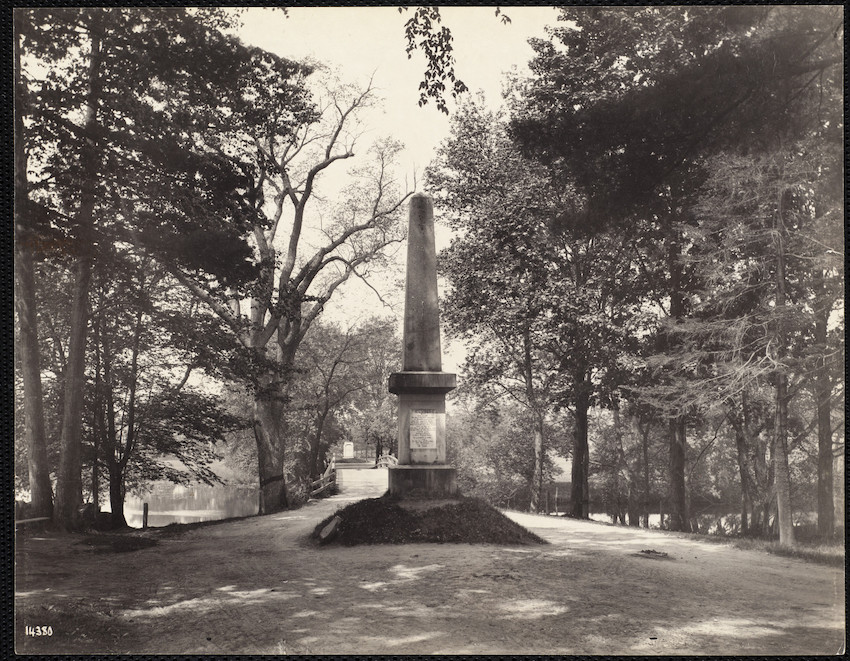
(409, 453)
(422, 429)
(329, 531)
(348, 450)
(421, 305)
(431, 382)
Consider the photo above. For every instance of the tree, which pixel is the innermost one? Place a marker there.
(27, 342)
(548, 304)
(421, 33)
(330, 365)
(496, 270)
(289, 293)
(695, 81)
(493, 450)
(143, 413)
(101, 130)
(371, 416)
(771, 206)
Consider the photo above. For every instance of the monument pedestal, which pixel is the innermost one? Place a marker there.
(422, 470)
(411, 481)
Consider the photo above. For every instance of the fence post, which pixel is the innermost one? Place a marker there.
(144, 516)
(556, 500)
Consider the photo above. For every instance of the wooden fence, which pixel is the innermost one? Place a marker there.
(324, 483)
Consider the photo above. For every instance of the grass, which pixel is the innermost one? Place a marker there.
(384, 521)
(822, 554)
(807, 548)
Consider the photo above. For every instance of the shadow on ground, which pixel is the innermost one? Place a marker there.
(254, 587)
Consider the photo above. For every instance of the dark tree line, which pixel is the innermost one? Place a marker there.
(654, 230)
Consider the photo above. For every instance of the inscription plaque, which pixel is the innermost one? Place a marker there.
(423, 429)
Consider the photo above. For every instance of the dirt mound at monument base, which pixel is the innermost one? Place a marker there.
(386, 520)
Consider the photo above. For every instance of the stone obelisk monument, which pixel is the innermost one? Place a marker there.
(422, 385)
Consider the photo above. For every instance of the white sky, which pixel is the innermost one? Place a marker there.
(362, 42)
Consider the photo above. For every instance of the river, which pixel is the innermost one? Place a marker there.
(173, 503)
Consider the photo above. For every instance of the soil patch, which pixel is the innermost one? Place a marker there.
(388, 521)
(652, 553)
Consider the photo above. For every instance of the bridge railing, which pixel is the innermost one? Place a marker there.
(386, 460)
(325, 482)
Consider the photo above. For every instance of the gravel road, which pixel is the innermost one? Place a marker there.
(257, 586)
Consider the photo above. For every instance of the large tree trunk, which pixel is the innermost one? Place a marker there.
(98, 426)
(782, 476)
(378, 449)
(537, 416)
(678, 492)
(823, 394)
(116, 495)
(95, 477)
(742, 443)
(537, 479)
(677, 430)
(632, 506)
(779, 454)
(316, 445)
(579, 495)
(69, 483)
(41, 491)
(269, 433)
(741, 447)
(646, 483)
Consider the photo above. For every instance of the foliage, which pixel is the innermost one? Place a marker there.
(370, 419)
(551, 311)
(196, 165)
(318, 253)
(421, 33)
(152, 119)
(713, 131)
(143, 420)
(493, 451)
(115, 109)
(693, 79)
(329, 379)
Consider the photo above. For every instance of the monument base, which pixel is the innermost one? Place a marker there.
(417, 481)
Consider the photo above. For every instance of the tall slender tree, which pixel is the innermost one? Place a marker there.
(550, 301)
(26, 244)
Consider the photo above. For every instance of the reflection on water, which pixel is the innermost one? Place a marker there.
(172, 503)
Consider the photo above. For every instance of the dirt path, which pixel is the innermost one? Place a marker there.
(256, 586)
